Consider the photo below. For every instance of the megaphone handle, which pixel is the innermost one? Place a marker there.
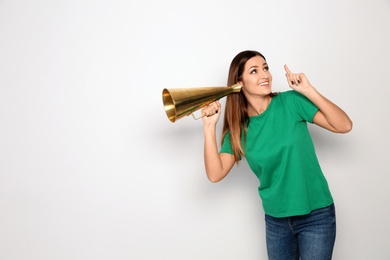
(199, 117)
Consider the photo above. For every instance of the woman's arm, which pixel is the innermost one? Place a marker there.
(329, 115)
(217, 165)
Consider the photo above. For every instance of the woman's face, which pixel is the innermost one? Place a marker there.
(256, 78)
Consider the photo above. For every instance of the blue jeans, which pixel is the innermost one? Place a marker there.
(307, 237)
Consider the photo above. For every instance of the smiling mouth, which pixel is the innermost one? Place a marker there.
(264, 83)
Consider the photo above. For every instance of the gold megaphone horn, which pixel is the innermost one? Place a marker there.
(181, 102)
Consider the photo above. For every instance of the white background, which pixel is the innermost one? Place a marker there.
(91, 168)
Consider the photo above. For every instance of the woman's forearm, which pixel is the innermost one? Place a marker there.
(334, 115)
(217, 165)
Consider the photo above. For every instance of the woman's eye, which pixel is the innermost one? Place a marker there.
(266, 68)
(253, 71)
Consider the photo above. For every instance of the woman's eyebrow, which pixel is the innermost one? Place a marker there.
(255, 66)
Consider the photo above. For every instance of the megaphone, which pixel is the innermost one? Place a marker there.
(182, 102)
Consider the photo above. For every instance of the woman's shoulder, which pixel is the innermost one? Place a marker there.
(289, 95)
(284, 95)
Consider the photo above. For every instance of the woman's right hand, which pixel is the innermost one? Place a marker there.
(211, 113)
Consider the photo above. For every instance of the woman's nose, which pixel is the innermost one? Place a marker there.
(263, 75)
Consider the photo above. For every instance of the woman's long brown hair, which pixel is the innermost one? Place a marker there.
(236, 117)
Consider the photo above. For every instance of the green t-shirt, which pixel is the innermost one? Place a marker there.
(280, 152)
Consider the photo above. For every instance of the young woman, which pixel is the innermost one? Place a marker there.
(270, 131)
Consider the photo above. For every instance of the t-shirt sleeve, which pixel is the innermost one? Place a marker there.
(226, 145)
(306, 109)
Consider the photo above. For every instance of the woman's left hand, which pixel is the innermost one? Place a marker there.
(297, 81)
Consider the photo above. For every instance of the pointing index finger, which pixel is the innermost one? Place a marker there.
(287, 69)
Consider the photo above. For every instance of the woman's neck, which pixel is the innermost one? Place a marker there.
(257, 106)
